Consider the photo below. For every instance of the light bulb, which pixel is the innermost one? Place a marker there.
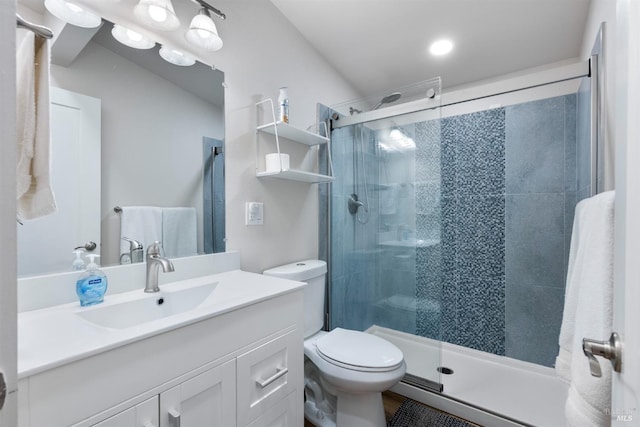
(136, 37)
(72, 13)
(203, 32)
(176, 57)
(131, 38)
(157, 13)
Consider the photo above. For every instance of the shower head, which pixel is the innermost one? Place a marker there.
(392, 97)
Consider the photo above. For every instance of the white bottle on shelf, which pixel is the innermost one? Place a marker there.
(283, 103)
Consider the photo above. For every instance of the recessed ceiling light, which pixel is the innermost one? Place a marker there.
(441, 47)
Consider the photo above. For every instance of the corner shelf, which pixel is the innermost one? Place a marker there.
(292, 133)
(297, 175)
(279, 130)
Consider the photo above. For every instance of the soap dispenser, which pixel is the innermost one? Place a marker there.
(78, 263)
(92, 284)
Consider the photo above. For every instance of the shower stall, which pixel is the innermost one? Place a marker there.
(447, 228)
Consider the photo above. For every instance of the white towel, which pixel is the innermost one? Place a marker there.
(34, 194)
(141, 223)
(179, 232)
(588, 311)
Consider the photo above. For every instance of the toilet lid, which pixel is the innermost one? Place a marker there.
(359, 349)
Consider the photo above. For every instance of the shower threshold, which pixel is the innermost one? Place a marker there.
(483, 388)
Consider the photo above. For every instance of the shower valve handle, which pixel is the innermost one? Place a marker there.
(610, 350)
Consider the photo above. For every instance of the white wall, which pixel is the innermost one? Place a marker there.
(605, 11)
(151, 137)
(263, 52)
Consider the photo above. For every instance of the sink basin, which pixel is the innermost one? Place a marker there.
(143, 308)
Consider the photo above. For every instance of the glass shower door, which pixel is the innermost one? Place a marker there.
(385, 266)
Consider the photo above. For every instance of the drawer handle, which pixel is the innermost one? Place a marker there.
(281, 372)
(174, 418)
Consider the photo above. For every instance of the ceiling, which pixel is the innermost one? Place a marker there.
(382, 45)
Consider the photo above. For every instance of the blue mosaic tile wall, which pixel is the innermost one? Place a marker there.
(473, 241)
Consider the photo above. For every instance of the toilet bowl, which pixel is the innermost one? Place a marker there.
(345, 371)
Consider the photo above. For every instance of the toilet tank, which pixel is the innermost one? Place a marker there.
(313, 273)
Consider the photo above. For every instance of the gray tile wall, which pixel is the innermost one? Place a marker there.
(540, 200)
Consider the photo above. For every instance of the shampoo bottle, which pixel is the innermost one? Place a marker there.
(283, 103)
(92, 284)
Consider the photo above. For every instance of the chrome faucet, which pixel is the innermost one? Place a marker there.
(154, 261)
(135, 254)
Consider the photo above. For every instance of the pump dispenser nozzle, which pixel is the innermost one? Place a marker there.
(78, 263)
(92, 262)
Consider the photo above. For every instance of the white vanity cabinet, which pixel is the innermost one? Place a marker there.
(144, 414)
(240, 368)
(208, 399)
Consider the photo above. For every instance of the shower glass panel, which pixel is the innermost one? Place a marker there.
(385, 223)
(453, 224)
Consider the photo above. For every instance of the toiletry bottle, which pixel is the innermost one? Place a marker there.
(283, 102)
(78, 263)
(92, 284)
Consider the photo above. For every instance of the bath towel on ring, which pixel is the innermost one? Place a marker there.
(588, 311)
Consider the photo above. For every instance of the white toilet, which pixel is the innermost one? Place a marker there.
(345, 371)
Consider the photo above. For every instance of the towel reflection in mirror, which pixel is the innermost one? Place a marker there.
(175, 227)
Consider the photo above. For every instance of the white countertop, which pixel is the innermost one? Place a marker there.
(54, 336)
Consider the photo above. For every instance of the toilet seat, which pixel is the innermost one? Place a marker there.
(358, 351)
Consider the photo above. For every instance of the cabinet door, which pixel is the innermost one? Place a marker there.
(207, 400)
(144, 414)
(282, 414)
(267, 375)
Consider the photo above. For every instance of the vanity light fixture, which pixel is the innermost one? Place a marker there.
(72, 13)
(158, 14)
(131, 38)
(203, 33)
(176, 57)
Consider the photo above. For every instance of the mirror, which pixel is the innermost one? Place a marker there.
(160, 126)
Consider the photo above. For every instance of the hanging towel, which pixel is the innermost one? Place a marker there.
(179, 232)
(141, 223)
(588, 311)
(34, 193)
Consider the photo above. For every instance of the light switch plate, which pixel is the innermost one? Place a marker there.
(254, 213)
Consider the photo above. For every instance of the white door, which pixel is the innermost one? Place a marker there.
(45, 244)
(8, 305)
(207, 400)
(625, 408)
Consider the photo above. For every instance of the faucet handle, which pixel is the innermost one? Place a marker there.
(154, 248)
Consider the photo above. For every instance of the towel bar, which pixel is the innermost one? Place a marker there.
(39, 30)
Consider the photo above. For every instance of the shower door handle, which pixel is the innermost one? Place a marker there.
(610, 350)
